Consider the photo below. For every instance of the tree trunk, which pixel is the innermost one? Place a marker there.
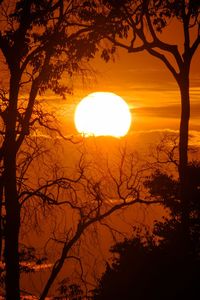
(11, 198)
(1, 217)
(11, 229)
(60, 262)
(183, 162)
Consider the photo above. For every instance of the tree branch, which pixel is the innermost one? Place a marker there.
(82, 226)
(166, 62)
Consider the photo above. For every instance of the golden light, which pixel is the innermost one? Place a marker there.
(101, 114)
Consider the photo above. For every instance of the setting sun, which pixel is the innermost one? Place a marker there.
(103, 113)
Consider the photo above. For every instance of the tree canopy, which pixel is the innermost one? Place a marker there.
(151, 265)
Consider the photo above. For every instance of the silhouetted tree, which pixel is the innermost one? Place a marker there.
(138, 26)
(165, 187)
(103, 189)
(39, 41)
(144, 270)
(151, 265)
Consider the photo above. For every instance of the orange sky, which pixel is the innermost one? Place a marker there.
(145, 84)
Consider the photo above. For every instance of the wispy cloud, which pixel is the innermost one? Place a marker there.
(167, 111)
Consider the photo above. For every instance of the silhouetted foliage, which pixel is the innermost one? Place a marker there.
(167, 188)
(40, 41)
(145, 270)
(69, 291)
(152, 266)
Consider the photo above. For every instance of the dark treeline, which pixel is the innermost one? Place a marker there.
(151, 265)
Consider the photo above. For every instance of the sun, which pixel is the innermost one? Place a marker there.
(102, 114)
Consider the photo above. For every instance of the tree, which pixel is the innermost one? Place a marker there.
(163, 186)
(103, 189)
(39, 41)
(142, 269)
(150, 265)
(138, 26)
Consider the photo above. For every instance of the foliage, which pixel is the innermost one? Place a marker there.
(151, 265)
(69, 291)
(41, 43)
(145, 270)
(164, 186)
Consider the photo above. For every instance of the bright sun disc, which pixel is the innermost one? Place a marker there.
(102, 113)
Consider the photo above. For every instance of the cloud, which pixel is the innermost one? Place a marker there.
(194, 138)
(168, 111)
(154, 135)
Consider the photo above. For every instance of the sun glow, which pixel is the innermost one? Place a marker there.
(101, 114)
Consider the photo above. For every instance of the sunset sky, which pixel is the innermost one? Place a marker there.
(146, 85)
(143, 82)
(91, 148)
